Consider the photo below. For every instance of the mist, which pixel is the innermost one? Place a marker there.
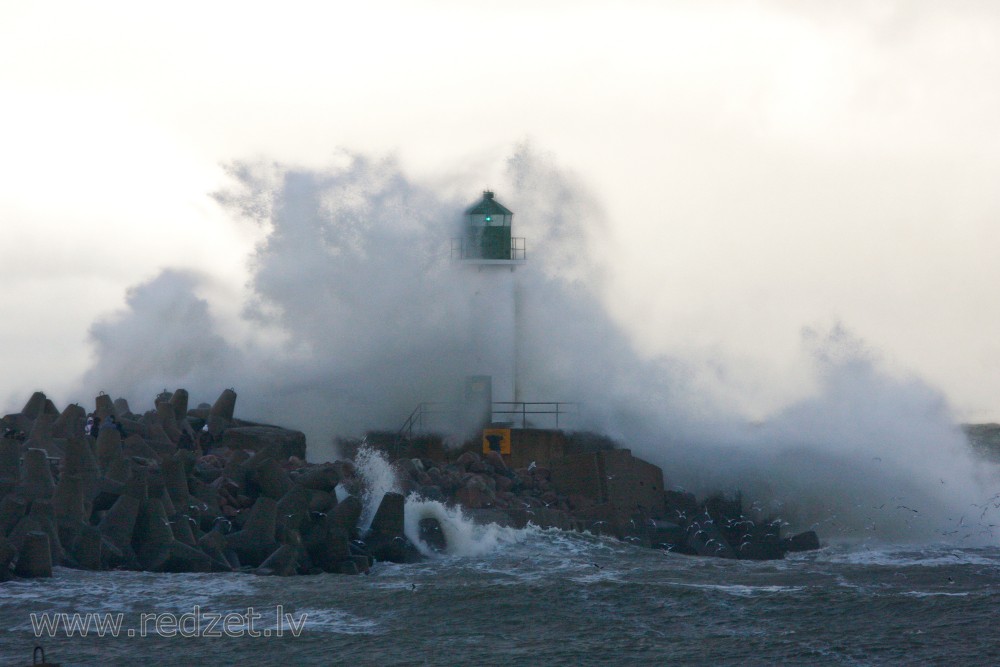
(353, 314)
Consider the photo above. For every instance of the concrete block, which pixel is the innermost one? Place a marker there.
(34, 559)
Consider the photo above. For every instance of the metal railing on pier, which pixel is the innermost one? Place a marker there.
(517, 414)
(521, 409)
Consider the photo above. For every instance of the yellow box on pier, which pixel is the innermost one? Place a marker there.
(496, 440)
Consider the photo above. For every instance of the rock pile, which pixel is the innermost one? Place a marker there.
(492, 492)
(177, 489)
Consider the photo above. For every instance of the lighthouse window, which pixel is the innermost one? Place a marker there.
(489, 218)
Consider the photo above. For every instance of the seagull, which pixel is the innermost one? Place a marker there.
(532, 466)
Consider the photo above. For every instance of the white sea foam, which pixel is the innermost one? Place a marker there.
(906, 556)
(463, 536)
(127, 591)
(336, 621)
(744, 591)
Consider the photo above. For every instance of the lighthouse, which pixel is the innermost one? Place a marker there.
(487, 255)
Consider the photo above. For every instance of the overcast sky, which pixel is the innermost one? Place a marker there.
(763, 168)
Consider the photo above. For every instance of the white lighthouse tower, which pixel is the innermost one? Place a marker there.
(488, 255)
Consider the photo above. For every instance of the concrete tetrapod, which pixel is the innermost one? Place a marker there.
(323, 477)
(104, 406)
(41, 511)
(36, 476)
(79, 461)
(293, 508)
(12, 510)
(270, 478)
(40, 435)
(118, 523)
(175, 479)
(224, 406)
(121, 407)
(255, 542)
(70, 423)
(213, 544)
(88, 549)
(35, 406)
(386, 539)
(328, 543)
(10, 465)
(7, 555)
(157, 437)
(67, 502)
(168, 422)
(285, 559)
(34, 559)
(179, 402)
(158, 550)
(182, 525)
(109, 454)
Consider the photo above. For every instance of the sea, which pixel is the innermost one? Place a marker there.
(503, 596)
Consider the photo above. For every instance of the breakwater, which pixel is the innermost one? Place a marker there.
(194, 489)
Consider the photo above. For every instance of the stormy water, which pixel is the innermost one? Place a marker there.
(537, 596)
(499, 595)
(908, 572)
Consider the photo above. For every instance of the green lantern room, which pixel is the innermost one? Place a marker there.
(487, 238)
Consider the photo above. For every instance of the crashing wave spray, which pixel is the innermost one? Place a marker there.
(463, 537)
(377, 478)
(354, 274)
(871, 456)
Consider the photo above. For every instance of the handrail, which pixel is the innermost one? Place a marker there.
(557, 408)
(510, 408)
(416, 418)
(463, 249)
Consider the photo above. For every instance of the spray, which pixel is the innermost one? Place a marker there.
(377, 479)
(361, 318)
